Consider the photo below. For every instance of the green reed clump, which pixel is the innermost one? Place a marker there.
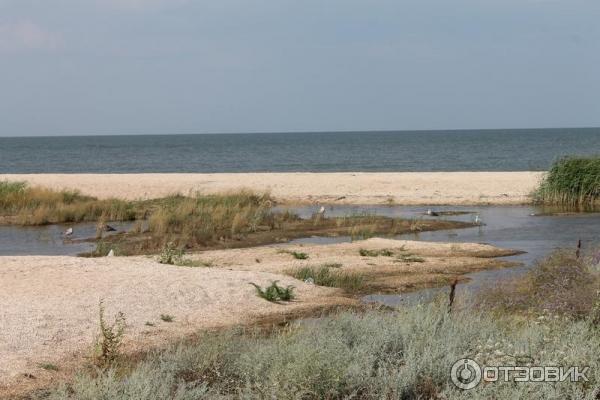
(324, 275)
(571, 181)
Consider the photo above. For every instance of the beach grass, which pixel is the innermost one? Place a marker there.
(571, 181)
(326, 275)
(40, 206)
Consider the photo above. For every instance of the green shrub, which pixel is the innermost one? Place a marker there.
(274, 292)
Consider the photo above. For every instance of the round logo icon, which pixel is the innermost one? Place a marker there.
(465, 374)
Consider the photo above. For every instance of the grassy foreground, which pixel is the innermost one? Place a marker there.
(379, 354)
(571, 181)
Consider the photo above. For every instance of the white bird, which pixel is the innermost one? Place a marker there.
(322, 210)
(477, 220)
(68, 232)
(111, 253)
(432, 213)
(309, 281)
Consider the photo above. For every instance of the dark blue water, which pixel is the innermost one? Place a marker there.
(473, 150)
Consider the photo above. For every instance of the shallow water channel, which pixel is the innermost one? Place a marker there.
(516, 227)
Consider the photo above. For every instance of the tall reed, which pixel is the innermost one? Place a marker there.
(571, 181)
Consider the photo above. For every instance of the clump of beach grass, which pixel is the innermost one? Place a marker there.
(571, 181)
(327, 275)
(39, 206)
(375, 253)
(298, 255)
(202, 218)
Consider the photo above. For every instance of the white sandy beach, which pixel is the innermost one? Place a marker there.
(403, 188)
(50, 304)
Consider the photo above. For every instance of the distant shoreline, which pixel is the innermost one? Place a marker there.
(399, 188)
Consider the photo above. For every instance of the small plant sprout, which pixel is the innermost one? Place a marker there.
(167, 318)
(298, 255)
(48, 366)
(274, 292)
(170, 254)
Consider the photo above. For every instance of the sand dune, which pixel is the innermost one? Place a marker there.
(404, 188)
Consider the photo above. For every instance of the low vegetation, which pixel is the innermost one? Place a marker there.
(380, 353)
(327, 275)
(571, 182)
(376, 253)
(274, 292)
(562, 284)
(26, 205)
(298, 255)
(167, 318)
(111, 337)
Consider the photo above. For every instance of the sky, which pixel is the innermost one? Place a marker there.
(78, 67)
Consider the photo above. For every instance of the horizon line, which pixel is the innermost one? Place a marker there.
(296, 132)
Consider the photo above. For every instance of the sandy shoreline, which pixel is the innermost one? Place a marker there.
(50, 303)
(403, 188)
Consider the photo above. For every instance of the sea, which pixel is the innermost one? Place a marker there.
(455, 150)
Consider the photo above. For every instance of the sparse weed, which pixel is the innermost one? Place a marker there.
(170, 254)
(298, 255)
(275, 292)
(49, 366)
(375, 253)
(111, 337)
(167, 318)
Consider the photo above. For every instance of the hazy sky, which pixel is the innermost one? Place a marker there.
(175, 66)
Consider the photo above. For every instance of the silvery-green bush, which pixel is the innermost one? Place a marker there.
(375, 355)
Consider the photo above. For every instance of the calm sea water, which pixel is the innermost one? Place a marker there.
(473, 150)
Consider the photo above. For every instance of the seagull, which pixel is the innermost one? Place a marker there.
(111, 253)
(68, 232)
(322, 210)
(432, 213)
(109, 228)
(477, 220)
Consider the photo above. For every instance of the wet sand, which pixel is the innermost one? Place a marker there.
(403, 188)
